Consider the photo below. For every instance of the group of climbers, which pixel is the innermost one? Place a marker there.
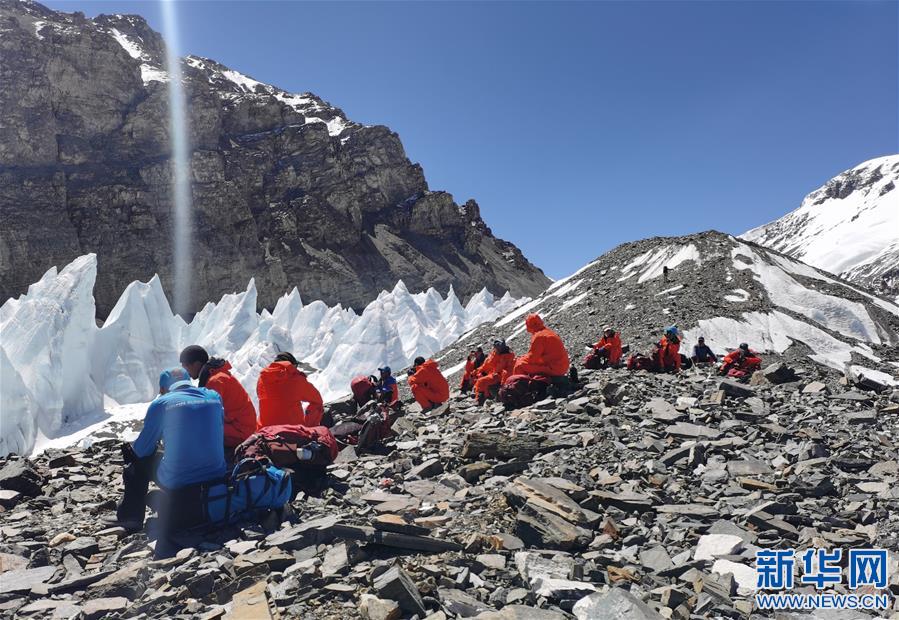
(204, 427)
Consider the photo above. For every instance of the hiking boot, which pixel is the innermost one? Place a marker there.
(129, 525)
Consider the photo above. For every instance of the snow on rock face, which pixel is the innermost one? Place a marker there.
(46, 336)
(774, 333)
(847, 227)
(313, 109)
(652, 264)
(841, 315)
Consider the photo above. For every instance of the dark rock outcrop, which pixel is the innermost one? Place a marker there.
(285, 188)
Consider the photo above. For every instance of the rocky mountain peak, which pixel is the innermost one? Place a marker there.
(285, 186)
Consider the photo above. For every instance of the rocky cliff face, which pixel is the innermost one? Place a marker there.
(285, 187)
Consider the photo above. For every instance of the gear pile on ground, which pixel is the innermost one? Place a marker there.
(637, 496)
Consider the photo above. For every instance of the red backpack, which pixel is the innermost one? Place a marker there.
(280, 443)
(522, 390)
(363, 389)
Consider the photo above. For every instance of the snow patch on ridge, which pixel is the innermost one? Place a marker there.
(835, 313)
(773, 332)
(653, 262)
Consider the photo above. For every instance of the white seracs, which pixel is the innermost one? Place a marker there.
(46, 336)
(139, 338)
(849, 227)
(57, 365)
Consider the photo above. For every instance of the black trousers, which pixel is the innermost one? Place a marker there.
(177, 508)
(137, 477)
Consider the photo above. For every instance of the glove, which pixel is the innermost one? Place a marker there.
(128, 454)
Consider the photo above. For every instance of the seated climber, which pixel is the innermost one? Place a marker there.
(215, 374)
(493, 371)
(547, 355)
(472, 363)
(282, 389)
(606, 352)
(740, 363)
(702, 354)
(386, 389)
(428, 385)
(666, 356)
(189, 421)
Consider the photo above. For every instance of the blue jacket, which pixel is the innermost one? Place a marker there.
(703, 353)
(190, 422)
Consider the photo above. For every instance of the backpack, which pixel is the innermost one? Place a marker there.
(596, 360)
(279, 445)
(372, 428)
(363, 389)
(522, 390)
(253, 485)
(685, 362)
(640, 362)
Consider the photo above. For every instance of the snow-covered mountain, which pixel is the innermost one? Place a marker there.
(849, 226)
(58, 366)
(723, 288)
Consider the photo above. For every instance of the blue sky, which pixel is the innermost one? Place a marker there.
(579, 126)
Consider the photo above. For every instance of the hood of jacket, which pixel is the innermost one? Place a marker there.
(278, 373)
(534, 323)
(428, 366)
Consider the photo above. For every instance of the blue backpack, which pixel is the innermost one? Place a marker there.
(253, 485)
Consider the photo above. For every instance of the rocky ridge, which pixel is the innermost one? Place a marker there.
(724, 288)
(285, 187)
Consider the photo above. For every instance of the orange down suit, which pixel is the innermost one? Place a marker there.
(281, 390)
(746, 362)
(240, 415)
(493, 371)
(668, 355)
(429, 386)
(612, 347)
(547, 355)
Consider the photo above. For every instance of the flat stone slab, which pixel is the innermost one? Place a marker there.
(693, 431)
(711, 546)
(22, 580)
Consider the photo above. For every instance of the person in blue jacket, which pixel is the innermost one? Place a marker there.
(190, 423)
(702, 354)
(387, 389)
